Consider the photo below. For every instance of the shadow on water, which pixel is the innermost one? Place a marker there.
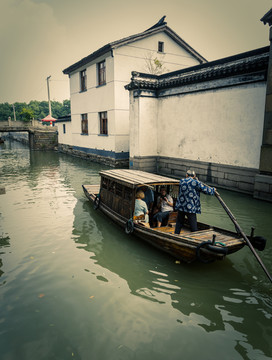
(216, 297)
(4, 243)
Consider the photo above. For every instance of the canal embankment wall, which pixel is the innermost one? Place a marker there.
(234, 178)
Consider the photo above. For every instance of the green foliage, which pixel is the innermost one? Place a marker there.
(6, 111)
(27, 114)
(35, 109)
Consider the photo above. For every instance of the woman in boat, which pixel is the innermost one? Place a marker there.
(165, 204)
(140, 206)
(188, 201)
(148, 196)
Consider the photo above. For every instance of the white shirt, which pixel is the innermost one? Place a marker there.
(164, 205)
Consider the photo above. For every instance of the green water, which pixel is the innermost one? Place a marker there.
(73, 285)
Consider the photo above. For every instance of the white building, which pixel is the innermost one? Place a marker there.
(99, 127)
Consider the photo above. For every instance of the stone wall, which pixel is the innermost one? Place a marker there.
(234, 178)
(37, 139)
(225, 176)
(263, 187)
(43, 140)
(70, 150)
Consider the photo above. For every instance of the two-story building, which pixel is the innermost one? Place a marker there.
(99, 127)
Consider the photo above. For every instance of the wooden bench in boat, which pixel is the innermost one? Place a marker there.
(140, 219)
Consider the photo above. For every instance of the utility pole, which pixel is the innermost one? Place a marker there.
(14, 113)
(49, 103)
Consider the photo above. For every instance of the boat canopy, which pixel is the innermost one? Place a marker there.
(135, 178)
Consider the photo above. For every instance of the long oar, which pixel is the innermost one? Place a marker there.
(242, 234)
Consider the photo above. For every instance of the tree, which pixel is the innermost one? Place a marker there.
(35, 109)
(5, 111)
(154, 65)
(27, 114)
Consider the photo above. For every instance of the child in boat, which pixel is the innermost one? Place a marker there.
(141, 207)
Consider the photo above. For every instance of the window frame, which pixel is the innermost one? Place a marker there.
(101, 73)
(64, 128)
(84, 124)
(103, 123)
(160, 46)
(83, 80)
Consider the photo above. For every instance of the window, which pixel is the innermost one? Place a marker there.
(101, 72)
(103, 117)
(112, 185)
(161, 46)
(104, 183)
(119, 190)
(84, 124)
(83, 80)
(127, 193)
(64, 128)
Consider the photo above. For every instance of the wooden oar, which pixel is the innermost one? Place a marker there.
(240, 231)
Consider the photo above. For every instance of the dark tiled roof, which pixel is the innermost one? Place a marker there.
(65, 118)
(267, 18)
(161, 26)
(249, 62)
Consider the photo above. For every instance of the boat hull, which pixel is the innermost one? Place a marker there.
(187, 247)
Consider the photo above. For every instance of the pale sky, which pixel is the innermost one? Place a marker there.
(39, 38)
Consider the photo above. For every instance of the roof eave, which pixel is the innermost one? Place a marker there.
(100, 52)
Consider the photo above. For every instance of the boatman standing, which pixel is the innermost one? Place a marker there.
(188, 201)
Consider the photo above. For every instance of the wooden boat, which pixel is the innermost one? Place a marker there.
(115, 197)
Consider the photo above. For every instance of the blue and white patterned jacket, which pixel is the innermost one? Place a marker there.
(189, 195)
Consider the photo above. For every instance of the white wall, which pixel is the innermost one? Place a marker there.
(96, 99)
(143, 126)
(67, 137)
(133, 57)
(222, 126)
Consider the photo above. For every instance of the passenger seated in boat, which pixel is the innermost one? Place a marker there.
(141, 207)
(148, 196)
(165, 204)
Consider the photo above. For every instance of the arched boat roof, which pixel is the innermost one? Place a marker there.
(134, 178)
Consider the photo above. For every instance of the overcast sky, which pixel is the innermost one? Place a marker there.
(39, 38)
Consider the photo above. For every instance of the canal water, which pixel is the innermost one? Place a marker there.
(73, 285)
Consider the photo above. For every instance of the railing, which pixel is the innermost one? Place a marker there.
(27, 125)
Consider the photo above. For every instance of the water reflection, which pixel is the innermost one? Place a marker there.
(4, 243)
